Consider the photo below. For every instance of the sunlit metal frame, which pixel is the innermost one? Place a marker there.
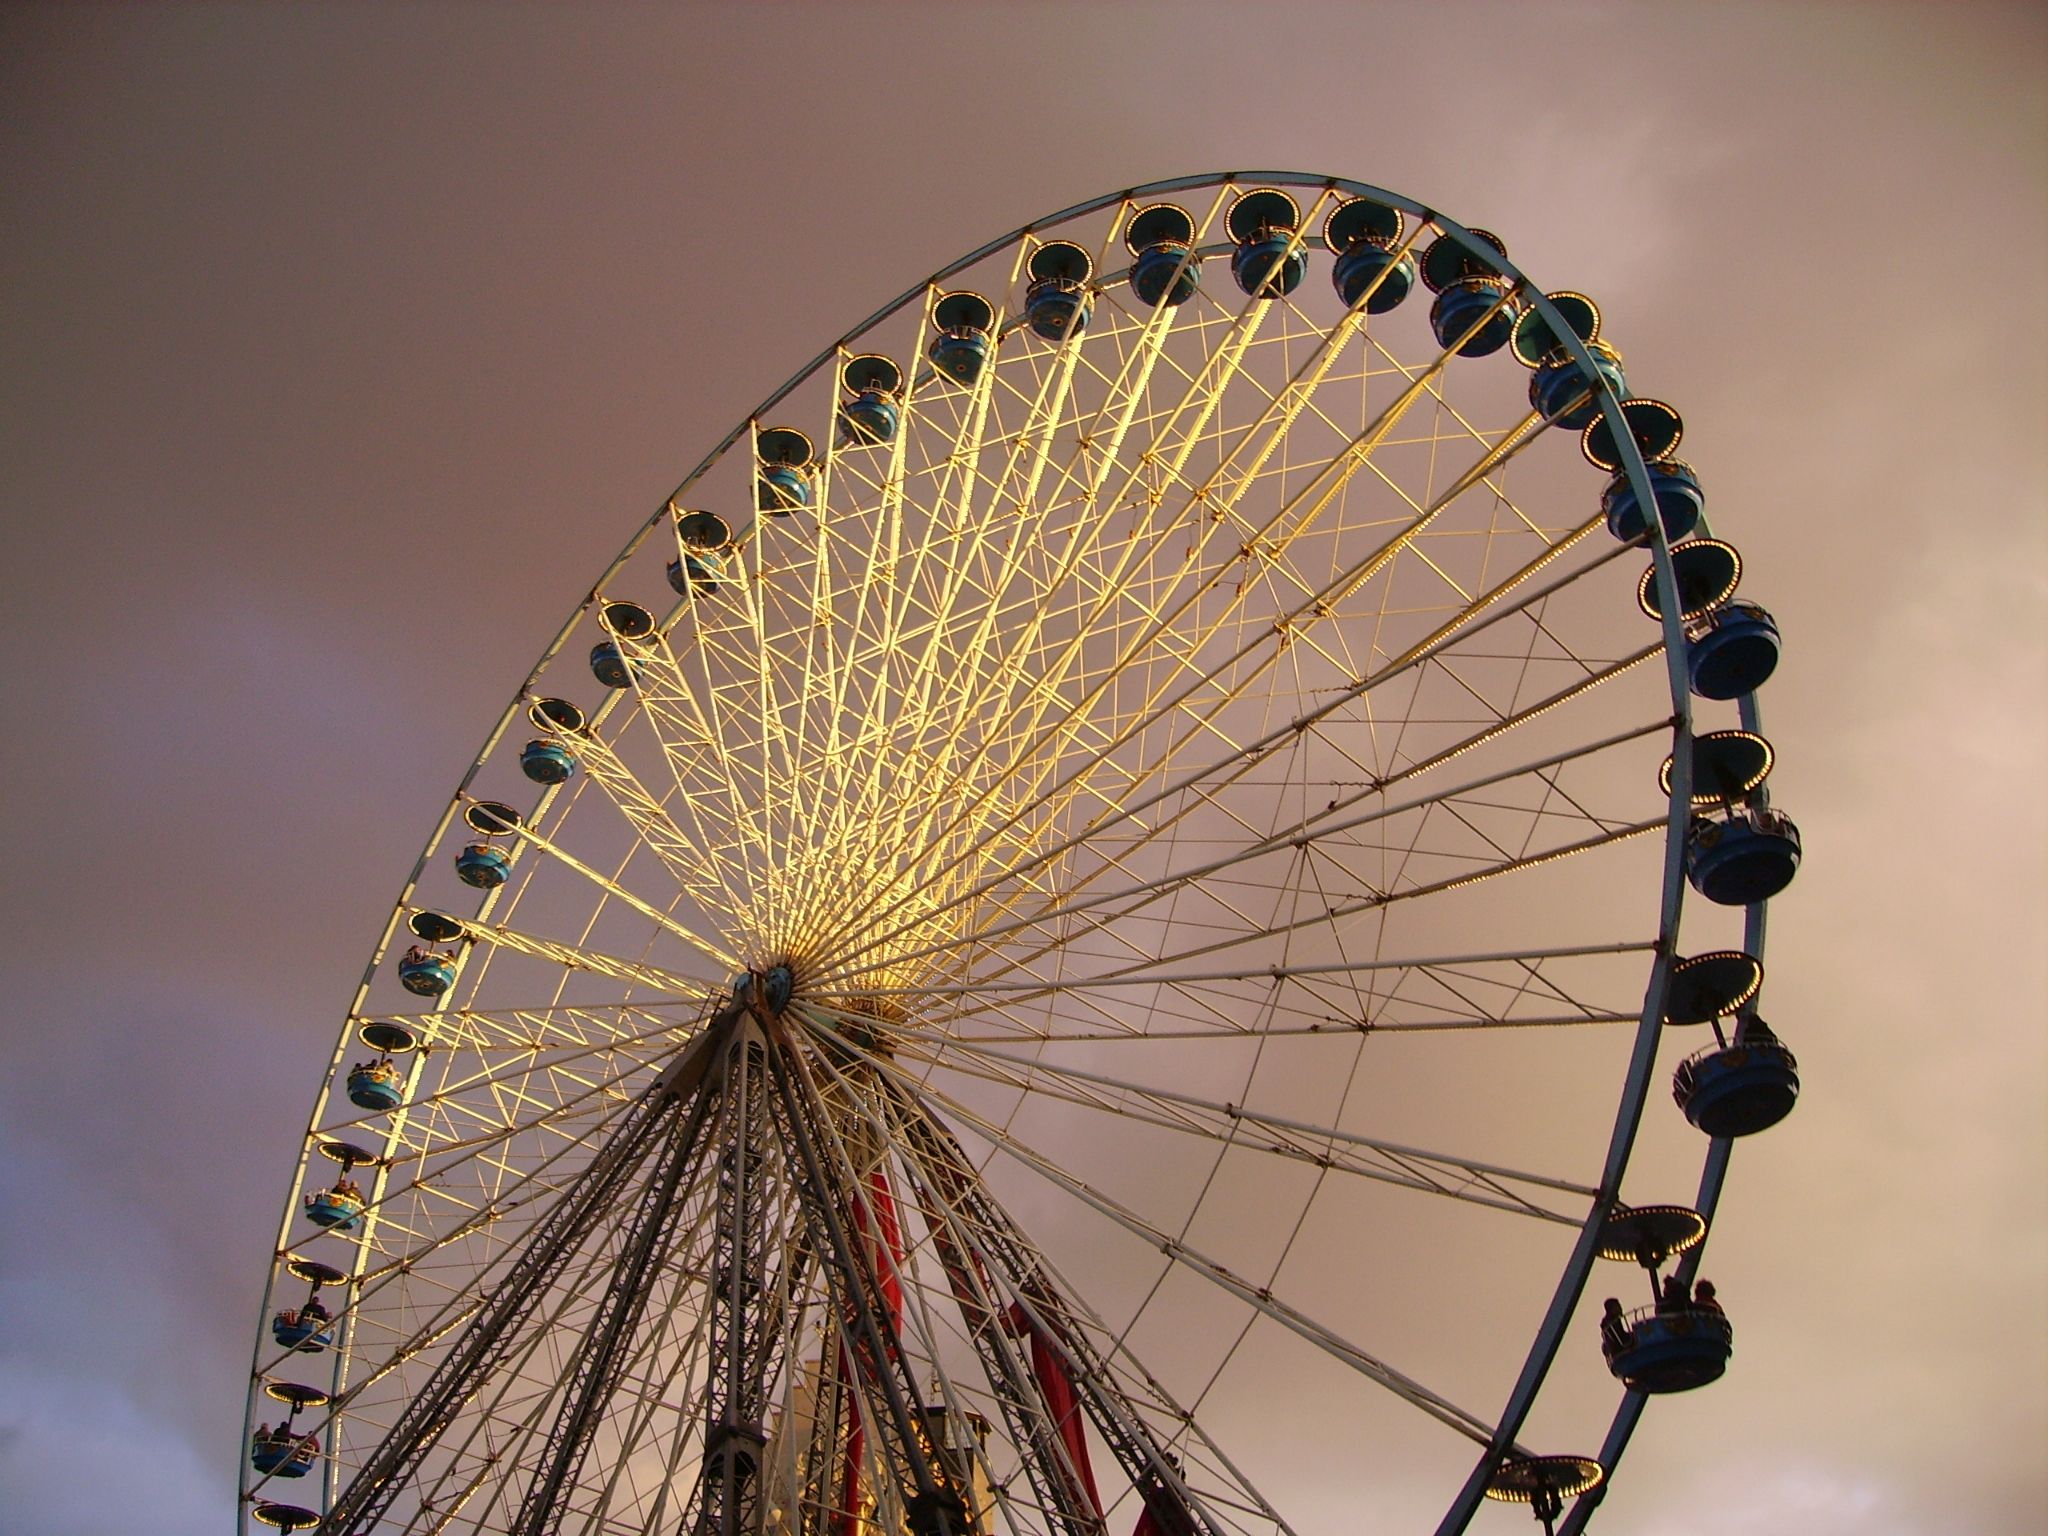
(1501, 1440)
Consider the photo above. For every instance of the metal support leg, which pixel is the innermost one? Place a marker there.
(1174, 1507)
(491, 1334)
(1054, 1479)
(934, 1506)
(736, 1400)
(594, 1373)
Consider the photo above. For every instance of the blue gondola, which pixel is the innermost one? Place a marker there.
(1166, 270)
(965, 322)
(869, 417)
(777, 983)
(307, 1329)
(425, 973)
(339, 1209)
(483, 866)
(1269, 260)
(699, 567)
(1681, 1341)
(696, 573)
(1743, 855)
(1558, 391)
(1166, 274)
(1269, 266)
(783, 476)
(875, 385)
(1360, 267)
(960, 354)
(547, 762)
(1731, 651)
(1680, 501)
(1459, 308)
(375, 1085)
(1673, 1349)
(1058, 302)
(280, 1453)
(1468, 286)
(610, 665)
(1741, 1088)
(783, 489)
(1364, 235)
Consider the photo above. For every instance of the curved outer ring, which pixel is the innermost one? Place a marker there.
(1642, 1061)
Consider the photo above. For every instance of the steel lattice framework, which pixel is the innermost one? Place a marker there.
(1145, 880)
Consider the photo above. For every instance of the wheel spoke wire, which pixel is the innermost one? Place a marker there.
(1197, 1263)
(1408, 1167)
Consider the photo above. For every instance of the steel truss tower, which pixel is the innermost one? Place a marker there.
(770, 1135)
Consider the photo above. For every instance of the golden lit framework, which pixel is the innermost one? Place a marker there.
(1190, 770)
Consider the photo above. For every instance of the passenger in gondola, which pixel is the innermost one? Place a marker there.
(347, 1188)
(1754, 1031)
(1703, 1299)
(313, 1312)
(1673, 1298)
(1613, 1328)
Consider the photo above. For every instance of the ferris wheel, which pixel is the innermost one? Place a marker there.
(1084, 915)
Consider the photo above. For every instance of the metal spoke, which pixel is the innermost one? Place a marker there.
(1338, 1348)
(713, 950)
(1327, 1147)
(596, 963)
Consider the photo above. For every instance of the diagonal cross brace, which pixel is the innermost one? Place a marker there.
(492, 1332)
(601, 1357)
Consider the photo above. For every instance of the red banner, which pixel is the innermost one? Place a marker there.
(887, 1257)
(1057, 1388)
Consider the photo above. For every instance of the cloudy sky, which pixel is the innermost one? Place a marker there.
(344, 343)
